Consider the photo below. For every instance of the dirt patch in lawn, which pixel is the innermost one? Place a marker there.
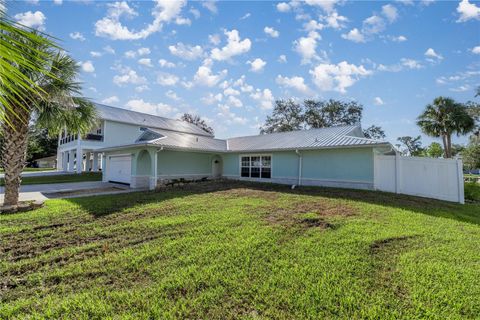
(307, 214)
(73, 193)
(384, 255)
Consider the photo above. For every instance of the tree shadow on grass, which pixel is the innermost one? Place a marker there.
(103, 205)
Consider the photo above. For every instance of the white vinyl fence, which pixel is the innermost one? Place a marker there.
(425, 177)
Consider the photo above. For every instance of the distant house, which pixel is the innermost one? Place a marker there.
(143, 150)
(46, 162)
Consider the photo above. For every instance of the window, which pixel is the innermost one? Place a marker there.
(256, 167)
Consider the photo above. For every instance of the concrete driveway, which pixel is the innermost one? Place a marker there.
(67, 190)
(41, 173)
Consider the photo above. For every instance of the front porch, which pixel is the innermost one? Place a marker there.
(79, 160)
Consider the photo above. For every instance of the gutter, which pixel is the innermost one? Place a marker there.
(299, 166)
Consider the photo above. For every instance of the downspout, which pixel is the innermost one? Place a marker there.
(299, 167)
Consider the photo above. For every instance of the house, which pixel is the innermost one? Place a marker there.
(46, 162)
(144, 150)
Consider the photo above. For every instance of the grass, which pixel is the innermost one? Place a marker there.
(60, 178)
(27, 169)
(236, 250)
(472, 191)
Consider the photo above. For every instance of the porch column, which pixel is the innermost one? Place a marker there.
(71, 157)
(95, 162)
(88, 162)
(59, 163)
(79, 154)
(153, 177)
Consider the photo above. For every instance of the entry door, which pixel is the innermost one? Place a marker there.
(120, 169)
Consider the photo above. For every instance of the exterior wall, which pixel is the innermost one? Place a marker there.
(342, 167)
(188, 165)
(116, 134)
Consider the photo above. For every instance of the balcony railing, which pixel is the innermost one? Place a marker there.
(93, 137)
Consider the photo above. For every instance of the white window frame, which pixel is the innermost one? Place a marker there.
(250, 155)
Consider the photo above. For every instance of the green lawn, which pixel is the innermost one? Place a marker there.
(32, 169)
(233, 250)
(60, 178)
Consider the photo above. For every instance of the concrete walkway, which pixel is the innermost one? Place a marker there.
(44, 192)
(41, 173)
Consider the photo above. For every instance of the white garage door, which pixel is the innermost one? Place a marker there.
(120, 169)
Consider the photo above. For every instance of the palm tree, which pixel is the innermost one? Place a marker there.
(443, 118)
(15, 40)
(58, 106)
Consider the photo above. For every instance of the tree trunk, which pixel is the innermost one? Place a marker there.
(445, 146)
(449, 144)
(14, 151)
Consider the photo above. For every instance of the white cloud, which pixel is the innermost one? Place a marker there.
(214, 39)
(166, 64)
(186, 52)
(298, 83)
(257, 65)
(35, 20)
(335, 21)
(211, 98)
(111, 100)
(230, 117)
(432, 54)
(313, 25)
(234, 46)
(161, 109)
(165, 11)
(109, 49)
(77, 36)
(167, 79)
(95, 54)
(234, 101)
(139, 52)
(142, 88)
(128, 76)
(390, 12)
(404, 63)
(210, 5)
(205, 77)
(331, 77)
(468, 11)
(271, 32)
(476, 50)
(264, 98)
(231, 92)
(306, 46)
(246, 16)
(378, 101)
(398, 39)
(87, 66)
(195, 13)
(354, 35)
(462, 88)
(327, 5)
(373, 25)
(411, 63)
(145, 62)
(58, 2)
(283, 7)
(282, 58)
(172, 95)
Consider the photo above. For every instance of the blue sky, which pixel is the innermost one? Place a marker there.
(227, 61)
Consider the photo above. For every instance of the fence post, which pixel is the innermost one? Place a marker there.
(461, 190)
(397, 173)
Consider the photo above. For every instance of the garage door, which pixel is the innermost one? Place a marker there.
(120, 169)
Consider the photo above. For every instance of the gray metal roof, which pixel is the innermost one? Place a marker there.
(179, 140)
(147, 120)
(342, 136)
